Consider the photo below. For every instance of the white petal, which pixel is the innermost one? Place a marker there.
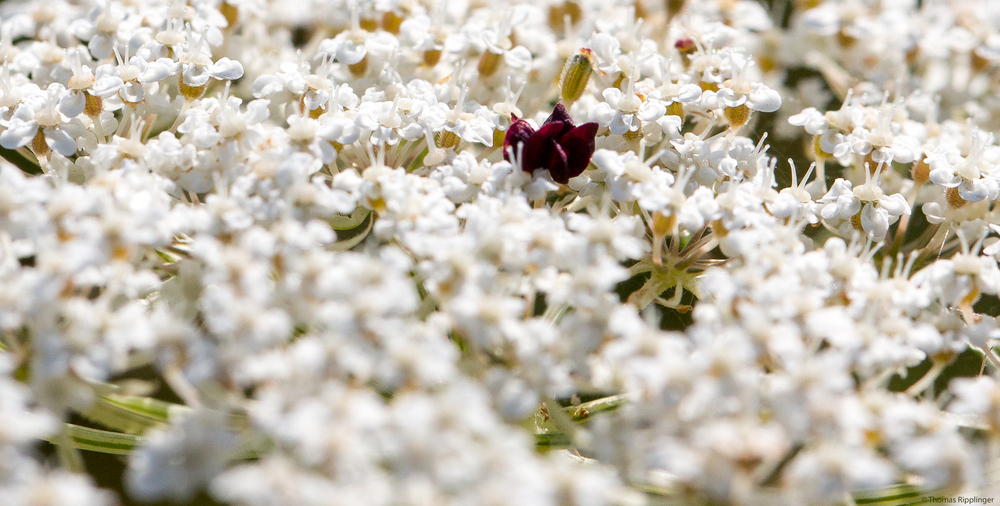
(314, 99)
(257, 111)
(226, 69)
(973, 191)
(689, 93)
(933, 212)
(18, 134)
(350, 53)
(195, 76)
(652, 110)
(518, 58)
(155, 71)
(848, 205)
(764, 99)
(72, 104)
(100, 47)
(895, 204)
(946, 177)
(60, 141)
(829, 212)
(267, 85)
(612, 96)
(874, 221)
(132, 92)
(106, 86)
(602, 113)
(729, 98)
(621, 123)
(609, 161)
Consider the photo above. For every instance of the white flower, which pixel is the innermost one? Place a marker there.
(175, 463)
(625, 112)
(736, 91)
(42, 116)
(950, 170)
(865, 205)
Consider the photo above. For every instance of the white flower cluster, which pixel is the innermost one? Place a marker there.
(426, 252)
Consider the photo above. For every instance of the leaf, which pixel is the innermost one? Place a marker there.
(102, 441)
(552, 441)
(22, 162)
(353, 240)
(349, 222)
(582, 412)
(132, 414)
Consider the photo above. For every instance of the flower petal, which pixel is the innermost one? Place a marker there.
(559, 114)
(72, 104)
(226, 69)
(579, 145)
(518, 132)
(18, 133)
(60, 141)
(764, 99)
(539, 149)
(558, 164)
(155, 71)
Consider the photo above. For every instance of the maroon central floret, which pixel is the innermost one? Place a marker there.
(559, 146)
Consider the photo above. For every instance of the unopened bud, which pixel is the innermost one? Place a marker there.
(685, 47)
(576, 75)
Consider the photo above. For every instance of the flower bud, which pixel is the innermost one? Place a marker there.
(576, 75)
(686, 47)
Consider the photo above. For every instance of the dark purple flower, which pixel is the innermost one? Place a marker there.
(559, 146)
